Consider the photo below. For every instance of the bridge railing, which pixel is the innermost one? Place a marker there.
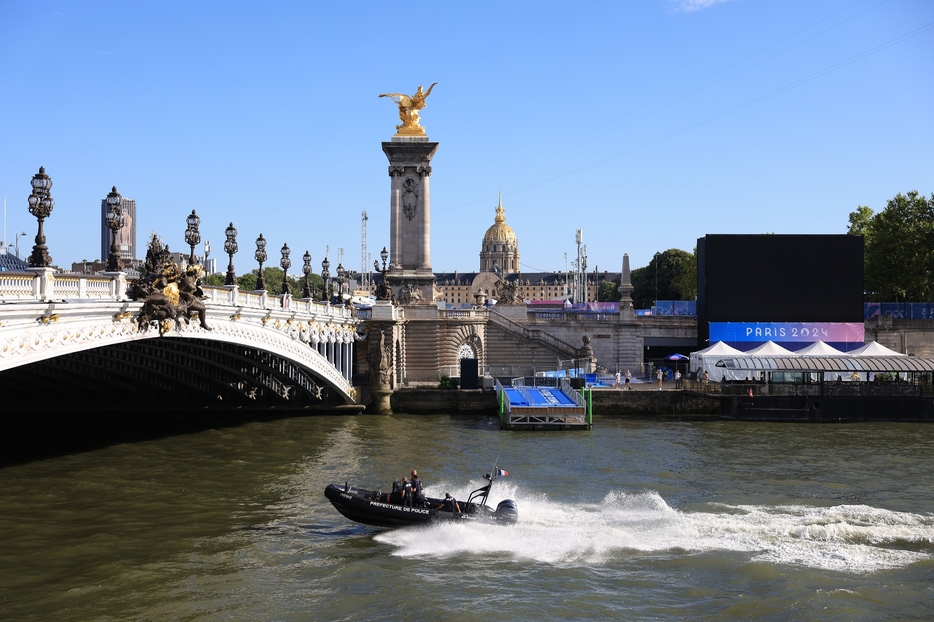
(44, 284)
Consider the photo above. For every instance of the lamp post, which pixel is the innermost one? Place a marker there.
(286, 263)
(230, 247)
(115, 223)
(306, 270)
(192, 236)
(383, 292)
(40, 206)
(341, 279)
(325, 275)
(16, 244)
(207, 252)
(260, 256)
(656, 282)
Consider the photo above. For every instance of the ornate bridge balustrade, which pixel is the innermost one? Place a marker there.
(78, 335)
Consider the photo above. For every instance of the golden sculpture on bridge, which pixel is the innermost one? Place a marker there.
(408, 110)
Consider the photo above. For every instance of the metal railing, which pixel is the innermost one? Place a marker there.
(530, 334)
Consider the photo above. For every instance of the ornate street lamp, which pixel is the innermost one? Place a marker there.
(230, 247)
(115, 223)
(325, 275)
(260, 256)
(192, 236)
(383, 292)
(40, 206)
(286, 263)
(341, 279)
(306, 269)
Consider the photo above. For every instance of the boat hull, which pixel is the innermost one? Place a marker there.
(382, 510)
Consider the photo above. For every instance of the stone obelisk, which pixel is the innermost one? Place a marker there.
(410, 152)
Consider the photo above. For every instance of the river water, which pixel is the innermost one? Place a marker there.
(632, 520)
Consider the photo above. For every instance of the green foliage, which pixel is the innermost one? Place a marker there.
(215, 280)
(687, 283)
(447, 383)
(675, 268)
(861, 221)
(273, 276)
(608, 292)
(899, 248)
(247, 282)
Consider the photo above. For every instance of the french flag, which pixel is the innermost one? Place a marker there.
(502, 473)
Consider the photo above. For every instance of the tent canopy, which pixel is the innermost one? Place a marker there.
(819, 348)
(769, 348)
(874, 348)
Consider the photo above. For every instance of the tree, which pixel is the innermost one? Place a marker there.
(215, 280)
(671, 268)
(898, 248)
(608, 292)
(687, 284)
(273, 276)
(247, 282)
(861, 221)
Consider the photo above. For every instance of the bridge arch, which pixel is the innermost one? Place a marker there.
(254, 356)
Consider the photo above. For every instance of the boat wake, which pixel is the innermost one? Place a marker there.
(849, 538)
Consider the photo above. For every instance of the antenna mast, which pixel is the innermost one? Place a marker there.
(364, 269)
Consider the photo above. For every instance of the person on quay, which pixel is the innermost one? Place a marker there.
(628, 380)
(617, 378)
(658, 377)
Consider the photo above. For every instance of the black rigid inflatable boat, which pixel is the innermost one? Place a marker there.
(374, 507)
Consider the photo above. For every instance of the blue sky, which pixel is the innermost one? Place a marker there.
(646, 124)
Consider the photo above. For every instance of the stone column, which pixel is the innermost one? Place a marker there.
(411, 278)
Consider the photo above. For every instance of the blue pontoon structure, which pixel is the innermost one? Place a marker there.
(544, 404)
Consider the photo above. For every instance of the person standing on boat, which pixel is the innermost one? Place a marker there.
(406, 492)
(449, 504)
(417, 491)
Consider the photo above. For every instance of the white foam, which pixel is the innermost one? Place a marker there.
(851, 538)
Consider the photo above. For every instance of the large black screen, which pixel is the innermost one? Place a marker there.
(780, 278)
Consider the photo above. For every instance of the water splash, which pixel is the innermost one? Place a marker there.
(849, 538)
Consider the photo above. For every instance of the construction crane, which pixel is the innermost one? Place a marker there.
(364, 268)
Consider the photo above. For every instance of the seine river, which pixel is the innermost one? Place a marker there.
(633, 520)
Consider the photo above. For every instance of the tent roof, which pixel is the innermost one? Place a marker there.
(717, 349)
(770, 348)
(819, 348)
(874, 348)
(830, 363)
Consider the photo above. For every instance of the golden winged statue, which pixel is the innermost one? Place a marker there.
(409, 105)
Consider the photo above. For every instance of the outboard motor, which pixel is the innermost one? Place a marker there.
(506, 512)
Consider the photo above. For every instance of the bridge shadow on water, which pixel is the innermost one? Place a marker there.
(27, 435)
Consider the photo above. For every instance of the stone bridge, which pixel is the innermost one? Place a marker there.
(74, 339)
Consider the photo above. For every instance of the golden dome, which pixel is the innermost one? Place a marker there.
(500, 232)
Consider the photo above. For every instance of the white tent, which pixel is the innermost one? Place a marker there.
(707, 359)
(874, 348)
(769, 348)
(819, 348)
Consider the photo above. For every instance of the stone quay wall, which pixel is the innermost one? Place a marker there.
(606, 403)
